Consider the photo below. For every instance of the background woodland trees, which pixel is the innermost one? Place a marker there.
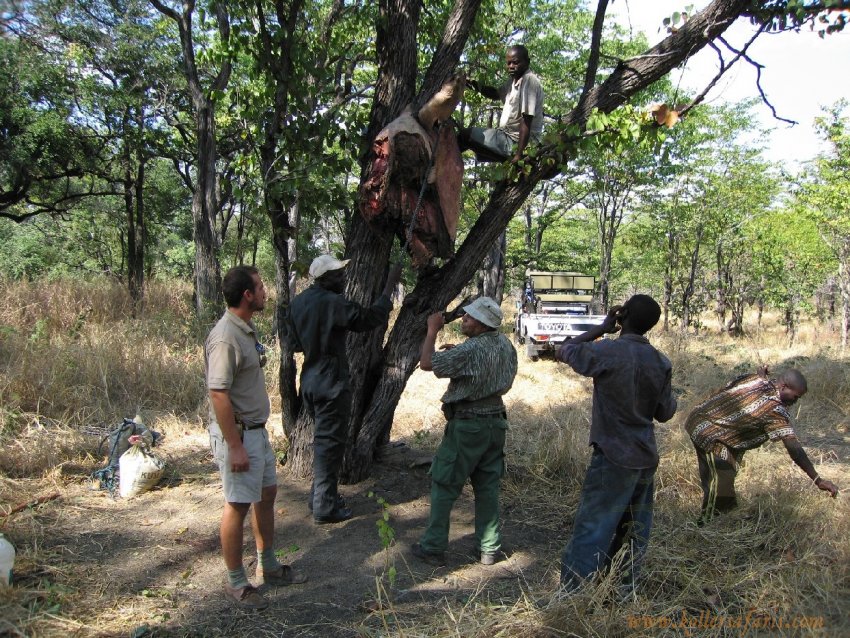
(160, 139)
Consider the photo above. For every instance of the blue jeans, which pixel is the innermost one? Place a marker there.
(615, 510)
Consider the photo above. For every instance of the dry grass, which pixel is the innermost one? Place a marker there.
(782, 557)
(784, 553)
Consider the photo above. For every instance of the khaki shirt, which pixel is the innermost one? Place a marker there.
(522, 97)
(232, 363)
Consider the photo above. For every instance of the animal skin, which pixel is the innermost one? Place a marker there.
(402, 161)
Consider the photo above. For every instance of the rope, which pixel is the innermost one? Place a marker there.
(409, 234)
(107, 476)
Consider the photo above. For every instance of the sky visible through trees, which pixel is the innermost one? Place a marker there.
(803, 73)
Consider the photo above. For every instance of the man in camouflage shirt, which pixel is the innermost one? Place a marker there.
(481, 369)
(747, 413)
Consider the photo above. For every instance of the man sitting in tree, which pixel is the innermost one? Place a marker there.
(522, 113)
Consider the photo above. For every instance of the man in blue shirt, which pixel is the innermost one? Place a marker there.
(631, 387)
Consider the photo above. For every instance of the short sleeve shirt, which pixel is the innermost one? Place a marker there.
(744, 415)
(480, 367)
(232, 363)
(522, 97)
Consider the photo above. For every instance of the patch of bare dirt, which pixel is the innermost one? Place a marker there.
(151, 566)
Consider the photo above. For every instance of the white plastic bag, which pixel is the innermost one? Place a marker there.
(139, 471)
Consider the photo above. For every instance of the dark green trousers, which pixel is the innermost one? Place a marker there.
(473, 449)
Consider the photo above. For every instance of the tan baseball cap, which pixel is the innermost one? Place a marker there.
(485, 310)
(326, 263)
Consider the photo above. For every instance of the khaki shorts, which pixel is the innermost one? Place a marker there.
(246, 487)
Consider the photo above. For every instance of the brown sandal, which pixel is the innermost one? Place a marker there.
(248, 597)
(283, 576)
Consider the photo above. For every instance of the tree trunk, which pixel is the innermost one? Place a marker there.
(208, 298)
(284, 226)
(133, 185)
(688, 292)
(493, 279)
(434, 291)
(136, 249)
(720, 294)
(668, 279)
(379, 375)
(844, 288)
(204, 206)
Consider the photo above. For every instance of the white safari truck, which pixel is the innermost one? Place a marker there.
(554, 306)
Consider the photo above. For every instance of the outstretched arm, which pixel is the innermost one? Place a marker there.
(799, 456)
(490, 92)
(609, 325)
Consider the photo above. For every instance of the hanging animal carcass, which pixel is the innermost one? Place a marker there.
(402, 161)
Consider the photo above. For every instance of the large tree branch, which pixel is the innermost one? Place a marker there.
(635, 74)
(223, 20)
(593, 58)
(447, 56)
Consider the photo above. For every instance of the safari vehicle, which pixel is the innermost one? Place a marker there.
(554, 306)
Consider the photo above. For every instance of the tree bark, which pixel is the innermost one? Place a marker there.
(133, 186)
(379, 375)
(844, 287)
(493, 273)
(208, 298)
(204, 206)
(688, 292)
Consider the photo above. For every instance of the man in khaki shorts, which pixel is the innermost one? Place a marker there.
(239, 409)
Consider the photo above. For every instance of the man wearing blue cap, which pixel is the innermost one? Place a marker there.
(481, 370)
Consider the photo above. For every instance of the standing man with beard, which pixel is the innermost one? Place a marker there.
(747, 413)
(319, 320)
(239, 409)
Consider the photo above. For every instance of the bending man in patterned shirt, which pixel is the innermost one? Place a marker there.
(747, 413)
(481, 370)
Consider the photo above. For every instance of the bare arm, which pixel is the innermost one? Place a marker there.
(524, 135)
(799, 456)
(231, 432)
(435, 324)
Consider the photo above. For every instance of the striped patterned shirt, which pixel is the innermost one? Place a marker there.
(480, 367)
(744, 415)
